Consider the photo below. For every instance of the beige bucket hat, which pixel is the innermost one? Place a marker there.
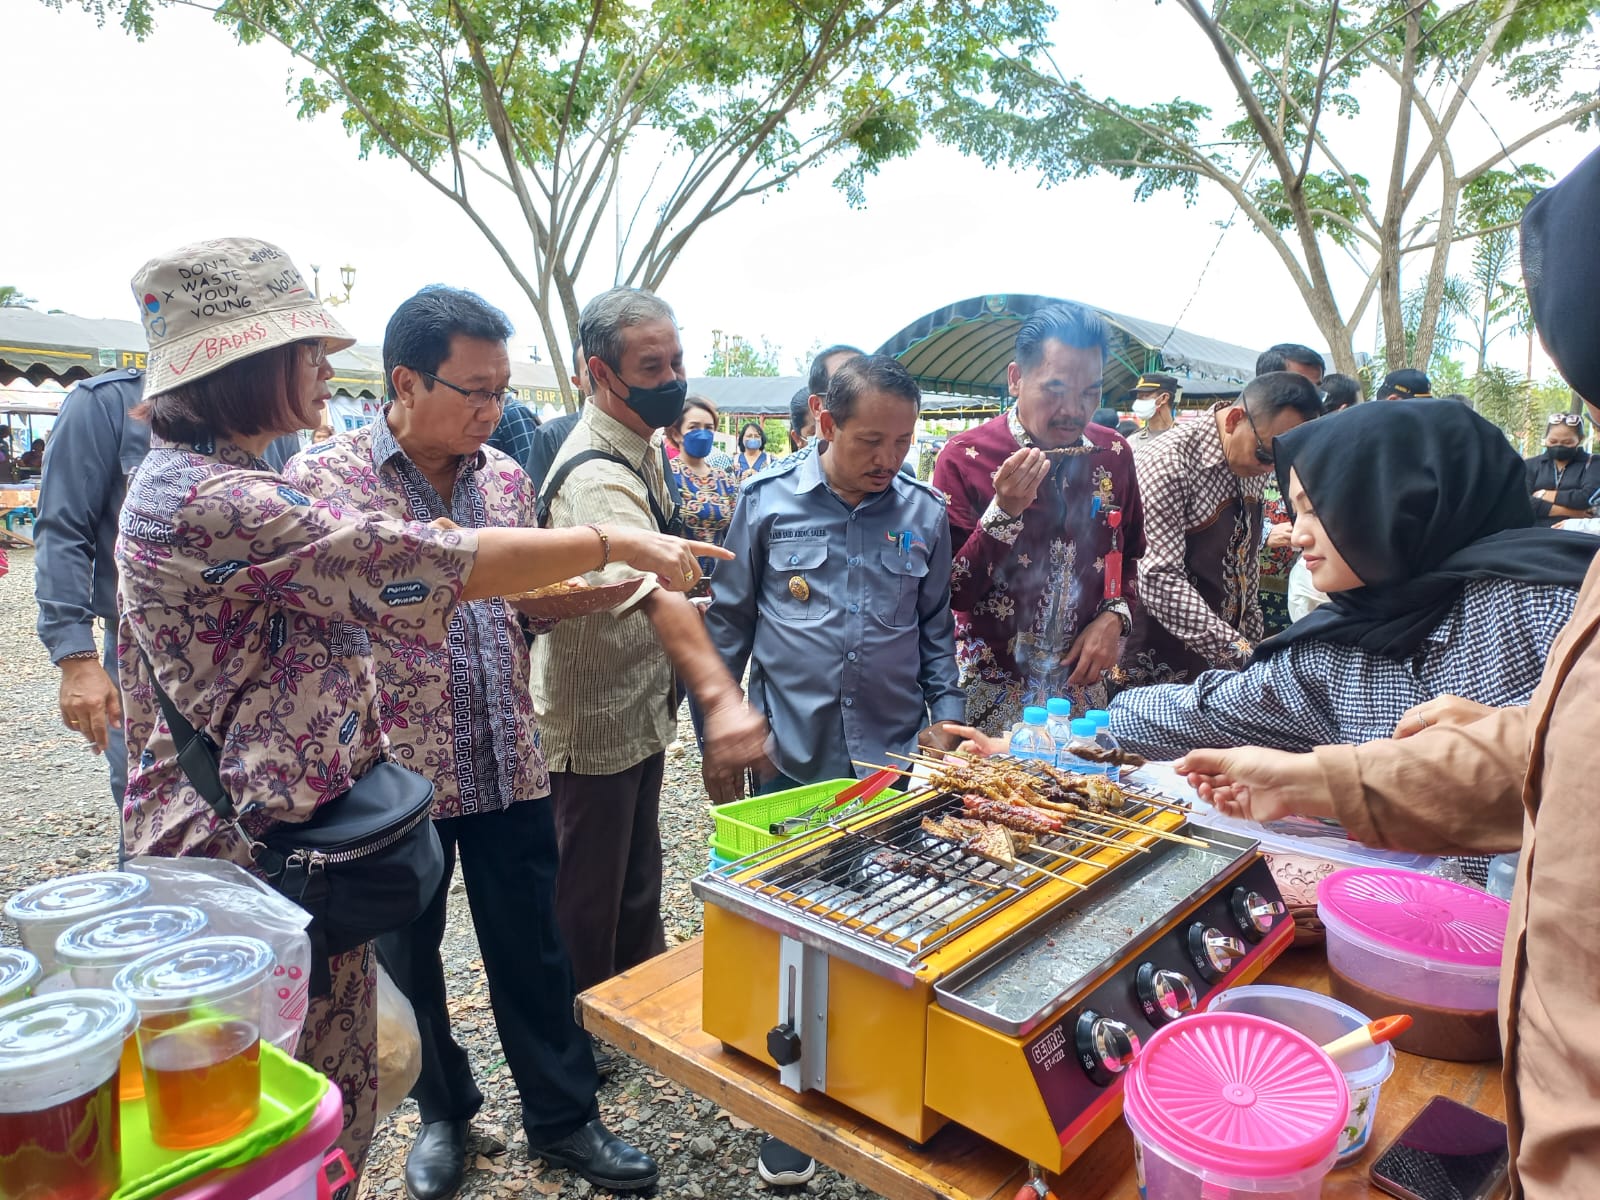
(210, 304)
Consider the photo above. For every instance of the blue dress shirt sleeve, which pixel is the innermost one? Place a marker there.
(938, 676)
(731, 619)
(80, 494)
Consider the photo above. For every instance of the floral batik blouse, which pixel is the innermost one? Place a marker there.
(705, 504)
(254, 604)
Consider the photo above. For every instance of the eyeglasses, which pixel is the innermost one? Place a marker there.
(1263, 455)
(478, 398)
(318, 355)
(1572, 419)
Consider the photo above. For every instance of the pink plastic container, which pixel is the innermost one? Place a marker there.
(1415, 937)
(1226, 1105)
(297, 1170)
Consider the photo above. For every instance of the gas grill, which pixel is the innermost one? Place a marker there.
(919, 983)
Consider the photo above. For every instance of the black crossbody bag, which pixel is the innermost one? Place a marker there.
(367, 862)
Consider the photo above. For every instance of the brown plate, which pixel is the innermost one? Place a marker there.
(575, 602)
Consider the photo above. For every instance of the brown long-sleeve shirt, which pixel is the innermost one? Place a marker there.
(1519, 776)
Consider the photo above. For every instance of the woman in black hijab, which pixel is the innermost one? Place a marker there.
(1415, 518)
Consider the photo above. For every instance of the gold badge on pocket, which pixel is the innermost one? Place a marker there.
(799, 588)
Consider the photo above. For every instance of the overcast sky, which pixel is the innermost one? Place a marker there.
(119, 150)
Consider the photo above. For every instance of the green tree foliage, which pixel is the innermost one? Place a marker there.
(11, 297)
(612, 132)
(1308, 178)
(1507, 398)
(734, 355)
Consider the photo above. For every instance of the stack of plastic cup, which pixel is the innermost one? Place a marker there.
(60, 1123)
(96, 949)
(200, 1037)
(41, 913)
(19, 971)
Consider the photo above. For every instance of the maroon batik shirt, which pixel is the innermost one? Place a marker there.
(1024, 588)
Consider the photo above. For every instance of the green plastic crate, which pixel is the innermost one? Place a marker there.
(742, 827)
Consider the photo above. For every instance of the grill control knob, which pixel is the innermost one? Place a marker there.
(783, 1043)
(1105, 1046)
(1165, 995)
(1213, 951)
(1255, 914)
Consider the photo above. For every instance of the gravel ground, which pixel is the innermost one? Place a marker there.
(703, 1151)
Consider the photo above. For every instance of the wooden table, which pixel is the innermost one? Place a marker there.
(652, 1013)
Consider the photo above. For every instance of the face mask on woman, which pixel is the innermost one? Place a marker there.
(753, 442)
(1562, 453)
(697, 443)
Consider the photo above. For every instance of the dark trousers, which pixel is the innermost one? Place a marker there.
(608, 894)
(509, 861)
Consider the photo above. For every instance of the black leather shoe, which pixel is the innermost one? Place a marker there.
(438, 1161)
(605, 1062)
(602, 1158)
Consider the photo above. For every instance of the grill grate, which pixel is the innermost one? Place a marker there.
(935, 890)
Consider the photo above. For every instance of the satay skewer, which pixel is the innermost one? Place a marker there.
(980, 772)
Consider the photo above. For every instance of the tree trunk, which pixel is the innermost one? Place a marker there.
(1433, 295)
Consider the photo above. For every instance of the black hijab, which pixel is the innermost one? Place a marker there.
(1420, 497)
(1561, 265)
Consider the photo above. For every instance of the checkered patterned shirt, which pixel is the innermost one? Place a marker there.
(1185, 483)
(514, 435)
(1490, 647)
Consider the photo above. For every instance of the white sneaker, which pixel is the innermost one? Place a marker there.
(781, 1165)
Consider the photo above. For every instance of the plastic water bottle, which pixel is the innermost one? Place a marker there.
(1059, 724)
(1032, 739)
(1082, 737)
(1503, 874)
(1103, 739)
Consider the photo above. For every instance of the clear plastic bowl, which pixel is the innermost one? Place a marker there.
(1416, 938)
(1322, 1019)
(40, 913)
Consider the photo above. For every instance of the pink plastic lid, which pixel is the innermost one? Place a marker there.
(1418, 914)
(1238, 1094)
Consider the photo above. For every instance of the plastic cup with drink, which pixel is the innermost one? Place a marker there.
(41, 913)
(19, 972)
(200, 1037)
(60, 1123)
(96, 949)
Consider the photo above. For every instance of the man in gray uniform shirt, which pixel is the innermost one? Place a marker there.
(839, 594)
(93, 449)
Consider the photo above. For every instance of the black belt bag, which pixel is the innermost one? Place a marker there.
(366, 863)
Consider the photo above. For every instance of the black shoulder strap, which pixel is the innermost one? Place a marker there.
(559, 476)
(197, 753)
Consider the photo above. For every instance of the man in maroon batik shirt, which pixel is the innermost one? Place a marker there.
(1045, 517)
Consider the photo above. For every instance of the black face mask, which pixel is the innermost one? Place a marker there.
(1563, 453)
(657, 406)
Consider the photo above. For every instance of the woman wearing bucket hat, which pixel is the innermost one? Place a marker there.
(253, 602)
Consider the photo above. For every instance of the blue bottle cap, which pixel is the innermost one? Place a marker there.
(1057, 707)
(1083, 727)
(1099, 716)
(1034, 715)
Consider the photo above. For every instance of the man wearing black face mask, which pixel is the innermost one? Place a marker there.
(1564, 479)
(603, 684)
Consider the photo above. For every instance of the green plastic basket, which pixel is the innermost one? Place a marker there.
(290, 1093)
(742, 827)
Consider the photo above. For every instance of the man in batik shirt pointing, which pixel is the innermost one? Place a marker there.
(1048, 529)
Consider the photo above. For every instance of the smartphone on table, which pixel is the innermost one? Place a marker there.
(1448, 1152)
